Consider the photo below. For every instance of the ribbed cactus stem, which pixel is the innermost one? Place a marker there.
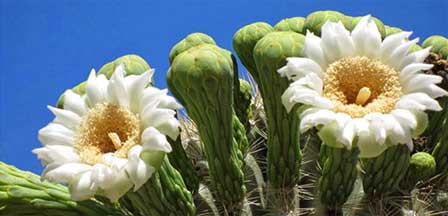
(180, 161)
(383, 174)
(163, 194)
(338, 175)
(283, 138)
(202, 78)
(23, 193)
(440, 151)
(243, 105)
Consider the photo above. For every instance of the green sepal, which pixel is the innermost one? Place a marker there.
(314, 21)
(188, 42)
(294, 24)
(390, 30)
(135, 65)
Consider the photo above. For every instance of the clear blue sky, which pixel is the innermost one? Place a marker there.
(49, 46)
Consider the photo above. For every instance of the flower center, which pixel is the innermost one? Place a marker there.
(107, 128)
(359, 85)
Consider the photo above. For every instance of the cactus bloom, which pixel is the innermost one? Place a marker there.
(360, 90)
(111, 138)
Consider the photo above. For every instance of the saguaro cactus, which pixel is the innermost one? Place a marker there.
(202, 78)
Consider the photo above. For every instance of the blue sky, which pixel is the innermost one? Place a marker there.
(49, 46)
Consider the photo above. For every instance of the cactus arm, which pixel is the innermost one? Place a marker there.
(180, 161)
(243, 107)
(244, 42)
(383, 174)
(23, 193)
(283, 139)
(163, 194)
(202, 78)
(339, 174)
(440, 152)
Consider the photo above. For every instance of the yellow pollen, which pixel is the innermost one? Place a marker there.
(360, 85)
(363, 95)
(107, 128)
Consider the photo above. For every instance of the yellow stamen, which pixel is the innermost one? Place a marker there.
(115, 140)
(107, 128)
(363, 96)
(359, 85)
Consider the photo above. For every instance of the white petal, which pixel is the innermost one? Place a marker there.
(420, 81)
(391, 43)
(96, 88)
(315, 117)
(418, 101)
(397, 56)
(57, 154)
(396, 133)
(56, 134)
(336, 41)
(297, 68)
(377, 127)
(416, 57)
(116, 90)
(313, 50)
(67, 118)
(65, 172)
(116, 163)
(73, 102)
(102, 175)
(139, 172)
(120, 184)
(153, 140)
(81, 188)
(433, 91)
(412, 69)
(367, 38)
(405, 118)
(135, 85)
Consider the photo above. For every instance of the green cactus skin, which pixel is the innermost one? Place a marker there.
(23, 193)
(163, 194)
(439, 45)
(294, 24)
(422, 166)
(244, 42)
(350, 24)
(243, 109)
(383, 174)
(437, 124)
(179, 159)
(201, 78)
(191, 40)
(389, 30)
(440, 151)
(134, 65)
(339, 174)
(314, 21)
(284, 155)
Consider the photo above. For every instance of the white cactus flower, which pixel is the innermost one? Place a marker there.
(111, 138)
(360, 90)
